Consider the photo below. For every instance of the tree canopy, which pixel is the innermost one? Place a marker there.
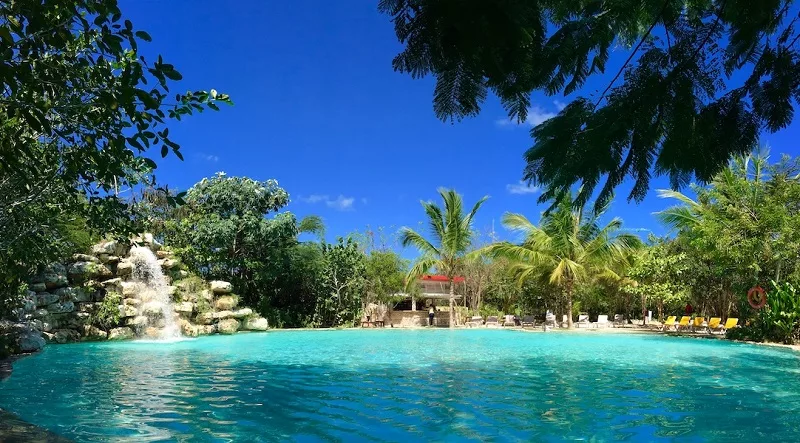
(701, 81)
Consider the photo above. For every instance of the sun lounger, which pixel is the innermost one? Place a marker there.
(713, 324)
(583, 321)
(698, 323)
(509, 320)
(475, 321)
(602, 321)
(619, 320)
(528, 320)
(730, 324)
(492, 322)
(684, 323)
(668, 323)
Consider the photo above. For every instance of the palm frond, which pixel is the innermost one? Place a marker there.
(410, 237)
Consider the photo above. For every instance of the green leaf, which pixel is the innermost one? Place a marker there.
(144, 36)
(164, 151)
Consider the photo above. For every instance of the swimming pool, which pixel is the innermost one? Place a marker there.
(411, 385)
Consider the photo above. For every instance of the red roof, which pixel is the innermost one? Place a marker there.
(441, 278)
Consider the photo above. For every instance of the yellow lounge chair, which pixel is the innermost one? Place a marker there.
(730, 324)
(698, 323)
(668, 323)
(684, 323)
(713, 324)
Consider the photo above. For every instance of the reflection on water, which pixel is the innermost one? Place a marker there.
(410, 386)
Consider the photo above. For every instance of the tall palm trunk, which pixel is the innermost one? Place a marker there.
(569, 303)
(452, 302)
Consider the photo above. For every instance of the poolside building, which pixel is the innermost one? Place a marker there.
(412, 310)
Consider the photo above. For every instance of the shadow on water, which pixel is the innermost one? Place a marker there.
(13, 430)
(486, 390)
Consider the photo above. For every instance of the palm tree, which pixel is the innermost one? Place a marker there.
(452, 235)
(570, 245)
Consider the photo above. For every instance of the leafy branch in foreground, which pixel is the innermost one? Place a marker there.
(701, 82)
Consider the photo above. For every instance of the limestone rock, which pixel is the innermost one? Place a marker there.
(171, 290)
(228, 326)
(30, 341)
(242, 313)
(124, 268)
(127, 311)
(137, 322)
(207, 295)
(221, 287)
(153, 309)
(225, 303)
(61, 307)
(40, 313)
(112, 285)
(37, 287)
(108, 259)
(131, 302)
(93, 333)
(65, 336)
(168, 263)
(68, 320)
(111, 247)
(45, 298)
(129, 289)
(163, 253)
(184, 307)
(81, 271)
(256, 324)
(77, 295)
(84, 257)
(182, 273)
(206, 329)
(223, 314)
(188, 329)
(120, 334)
(205, 318)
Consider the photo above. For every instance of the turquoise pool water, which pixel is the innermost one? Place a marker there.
(402, 385)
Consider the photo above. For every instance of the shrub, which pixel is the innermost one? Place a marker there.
(107, 314)
(778, 321)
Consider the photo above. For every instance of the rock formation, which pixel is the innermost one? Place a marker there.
(100, 296)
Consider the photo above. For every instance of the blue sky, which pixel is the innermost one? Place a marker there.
(319, 108)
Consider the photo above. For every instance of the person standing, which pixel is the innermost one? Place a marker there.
(431, 314)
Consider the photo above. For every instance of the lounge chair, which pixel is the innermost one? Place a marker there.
(668, 323)
(698, 323)
(583, 321)
(684, 323)
(510, 320)
(602, 321)
(730, 324)
(713, 324)
(492, 322)
(528, 320)
(619, 321)
(475, 321)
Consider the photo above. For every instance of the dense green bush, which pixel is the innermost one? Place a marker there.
(778, 321)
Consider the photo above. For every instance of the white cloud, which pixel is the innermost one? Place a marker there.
(521, 188)
(314, 198)
(340, 203)
(207, 157)
(536, 115)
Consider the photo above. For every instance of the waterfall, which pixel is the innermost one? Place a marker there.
(155, 308)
